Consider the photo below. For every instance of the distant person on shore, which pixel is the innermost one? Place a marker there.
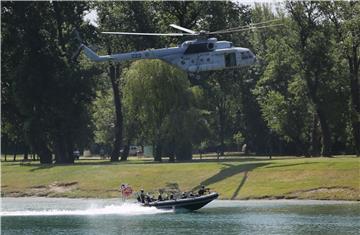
(244, 149)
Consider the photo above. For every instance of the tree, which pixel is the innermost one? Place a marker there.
(124, 16)
(222, 98)
(51, 93)
(157, 95)
(345, 17)
(313, 47)
(103, 116)
(282, 94)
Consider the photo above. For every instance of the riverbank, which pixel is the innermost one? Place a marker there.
(234, 178)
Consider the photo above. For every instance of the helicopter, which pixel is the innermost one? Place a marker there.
(192, 56)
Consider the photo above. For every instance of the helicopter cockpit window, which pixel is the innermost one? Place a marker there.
(230, 60)
(246, 55)
(197, 48)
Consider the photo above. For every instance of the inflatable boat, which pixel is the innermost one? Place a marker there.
(189, 203)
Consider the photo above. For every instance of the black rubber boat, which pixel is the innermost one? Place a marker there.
(190, 203)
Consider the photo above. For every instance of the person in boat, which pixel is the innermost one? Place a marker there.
(141, 197)
(147, 198)
(202, 190)
(183, 195)
(160, 198)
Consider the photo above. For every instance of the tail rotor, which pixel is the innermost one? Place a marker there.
(77, 37)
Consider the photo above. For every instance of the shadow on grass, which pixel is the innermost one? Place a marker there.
(231, 170)
(233, 159)
(296, 164)
(39, 166)
(96, 162)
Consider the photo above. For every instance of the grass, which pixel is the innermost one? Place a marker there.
(234, 178)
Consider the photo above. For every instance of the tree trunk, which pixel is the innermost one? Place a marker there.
(172, 157)
(222, 130)
(324, 127)
(183, 150)
(63, 151)
(314, 137)
(26, 155)
(157, 151)
(355, 100)
(114, 72)
(325, 133)
(44, 153)
(125, 153)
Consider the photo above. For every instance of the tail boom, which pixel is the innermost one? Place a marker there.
(147, 54)
(93, 56)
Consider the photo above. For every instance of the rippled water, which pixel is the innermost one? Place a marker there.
(110, 216)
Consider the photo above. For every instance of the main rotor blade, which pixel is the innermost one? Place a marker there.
(183, 29)
(246, 26)
(147, 34)
(244, 29)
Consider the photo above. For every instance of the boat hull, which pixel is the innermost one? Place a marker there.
(191, 204)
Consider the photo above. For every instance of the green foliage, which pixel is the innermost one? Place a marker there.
(51, 94)
(158, 97)
(301, 96)
(238, 138)
(282, 94)
(103, 115)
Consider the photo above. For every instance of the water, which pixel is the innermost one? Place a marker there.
(110, 216)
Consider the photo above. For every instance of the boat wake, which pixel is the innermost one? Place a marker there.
(127, 209)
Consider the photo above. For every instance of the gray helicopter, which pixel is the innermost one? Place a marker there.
(193, 56)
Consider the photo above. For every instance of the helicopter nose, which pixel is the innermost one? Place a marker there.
(253, 57)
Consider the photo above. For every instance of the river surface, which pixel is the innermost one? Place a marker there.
(111, 216)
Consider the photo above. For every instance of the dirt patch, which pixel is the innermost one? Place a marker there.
(268, 197)
(62, 187)
(53, 189)
(320, 193)
(323, 190)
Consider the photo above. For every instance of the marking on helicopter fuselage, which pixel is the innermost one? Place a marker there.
(136, 55)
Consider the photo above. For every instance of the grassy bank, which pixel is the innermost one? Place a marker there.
(305, 178)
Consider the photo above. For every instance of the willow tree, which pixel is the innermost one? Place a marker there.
(157, 95)
(123, 16)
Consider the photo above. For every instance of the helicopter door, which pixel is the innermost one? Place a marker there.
(230, 60)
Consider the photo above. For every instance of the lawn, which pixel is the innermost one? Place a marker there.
(234, 178)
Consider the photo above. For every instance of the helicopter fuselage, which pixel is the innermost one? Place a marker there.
(191, 56)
